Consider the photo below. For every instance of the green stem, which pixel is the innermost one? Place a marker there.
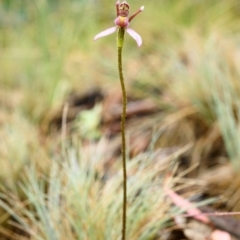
(124, 109)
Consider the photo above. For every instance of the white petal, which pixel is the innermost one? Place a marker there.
(135, 36)
(106, 32)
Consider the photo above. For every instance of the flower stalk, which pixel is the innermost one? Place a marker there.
(120, 42)
(122, 24)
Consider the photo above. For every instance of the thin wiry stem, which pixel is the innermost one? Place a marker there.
(124, 109)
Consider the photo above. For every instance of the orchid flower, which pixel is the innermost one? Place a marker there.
(122, 21)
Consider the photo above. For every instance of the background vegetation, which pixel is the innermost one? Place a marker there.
(55, 184)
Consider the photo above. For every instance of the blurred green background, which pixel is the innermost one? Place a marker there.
(48, 50)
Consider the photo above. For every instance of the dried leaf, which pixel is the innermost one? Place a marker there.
(185, 205)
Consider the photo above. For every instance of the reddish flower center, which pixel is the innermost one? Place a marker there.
(122, 21)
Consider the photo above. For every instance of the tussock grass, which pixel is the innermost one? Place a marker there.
(80, 199)
(20, 146)
(209, 82)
